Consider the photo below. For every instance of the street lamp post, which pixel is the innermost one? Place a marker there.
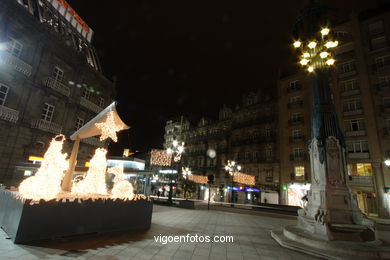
(175, 150)
(186, 173)
(232, 167)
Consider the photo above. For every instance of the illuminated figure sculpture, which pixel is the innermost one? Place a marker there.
(122, 188)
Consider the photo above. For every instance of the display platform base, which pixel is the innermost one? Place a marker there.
(24, 222)
(295, 238)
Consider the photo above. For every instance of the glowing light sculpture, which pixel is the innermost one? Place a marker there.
(46, 183)
(122, 188)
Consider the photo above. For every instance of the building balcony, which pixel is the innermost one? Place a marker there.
(9, 114)
(94, 141)
(355, 133)
(57, 86)
(359, 155)
(296, 139)
(382, 87)
(15, 63)
(360, 180)
(380, 67)
(353, 112)
(352, 92)
(46, 126)
(296, 121)
(297, 157)
(347, 74)
(294, 88)
(295, 104)
(90, 105)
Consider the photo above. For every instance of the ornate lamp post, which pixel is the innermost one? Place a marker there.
(232, 167)
(186, 173)
(331, 213)
(175, 150)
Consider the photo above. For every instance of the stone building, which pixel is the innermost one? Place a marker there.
(361, 93)
(247, 135)
(51, 82)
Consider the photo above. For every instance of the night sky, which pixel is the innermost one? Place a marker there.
(190, 56)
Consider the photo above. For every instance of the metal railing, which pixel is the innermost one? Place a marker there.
(15, 63)
(46, 126)
(90, 105)
(9, 114)
(57, 86)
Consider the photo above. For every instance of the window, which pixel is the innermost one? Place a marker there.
(348, 85)
(347, 67)
(3, 94)
(375, 28)
(86, 93)
(382, 61)
(295, 99)
(357, 146)
(58, 74)
(14, 47)
(268, 153)
(101, 102)
(269, 173)
(296, 116)
(294, 85)
(79, 123)
(247, 156)
(386, 102)
(354, 125)
(255, 155)
(352, 105)
(267, 132)
(378, 42)
(360, 169)
(299, 171)
(47, 112)
(297, 132)
(298, 152)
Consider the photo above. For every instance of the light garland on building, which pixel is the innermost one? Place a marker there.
(160, 158)
(198, 178)
(244, 178)
(46, 183)
(109, 128)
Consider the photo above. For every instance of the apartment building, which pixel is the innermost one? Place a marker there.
(51, 82)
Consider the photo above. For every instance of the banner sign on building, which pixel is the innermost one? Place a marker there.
(72, 17)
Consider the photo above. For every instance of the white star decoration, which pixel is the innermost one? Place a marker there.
(109, 128)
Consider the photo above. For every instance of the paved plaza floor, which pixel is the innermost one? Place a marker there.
(251, 234)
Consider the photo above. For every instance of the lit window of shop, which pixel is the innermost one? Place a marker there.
(299, 171)
(360, 169)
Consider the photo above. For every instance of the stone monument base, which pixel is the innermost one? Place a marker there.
(295, 238)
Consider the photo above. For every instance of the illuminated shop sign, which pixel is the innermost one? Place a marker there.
(72, 17)
(243, 189)
(252, 190)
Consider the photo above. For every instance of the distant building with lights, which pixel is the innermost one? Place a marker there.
(361, 93)
(51, 82)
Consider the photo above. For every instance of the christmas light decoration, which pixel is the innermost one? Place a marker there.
(244, 178)
(160, 157)
(109, 128)
(198, 178)
(316, 53)
(95, 180)
(122, 188)
(46, 183)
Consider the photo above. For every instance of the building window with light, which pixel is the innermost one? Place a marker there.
(360, 169)
(14, 47)
(299, 171)
(348, 85)
(79, 123)
(354, 125)
(47, 112)
(58, 74)
(360, 146)
(3, 94)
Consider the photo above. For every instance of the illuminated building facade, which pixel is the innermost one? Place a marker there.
(51, 82)
(361, 93)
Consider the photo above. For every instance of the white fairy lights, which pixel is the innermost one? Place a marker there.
(244, 178)
(109, 128)
(160, 157)
(316, 53)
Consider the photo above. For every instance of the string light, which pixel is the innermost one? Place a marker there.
(95, 180)
(109, 128)
(46, 183)
(198, 179)
(160, 157)
(244, 178)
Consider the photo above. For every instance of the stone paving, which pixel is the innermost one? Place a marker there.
(251, 235)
